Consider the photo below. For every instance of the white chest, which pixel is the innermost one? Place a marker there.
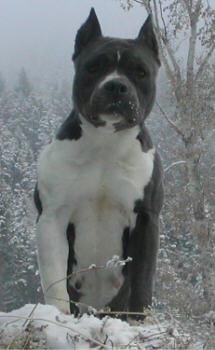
(95, 167)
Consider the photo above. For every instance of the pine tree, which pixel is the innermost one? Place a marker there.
(23, 86)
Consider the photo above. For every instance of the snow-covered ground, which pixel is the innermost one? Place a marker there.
(44, 327)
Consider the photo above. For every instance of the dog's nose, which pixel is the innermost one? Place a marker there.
(116, 87)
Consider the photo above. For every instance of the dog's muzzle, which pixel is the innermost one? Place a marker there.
(118, 101)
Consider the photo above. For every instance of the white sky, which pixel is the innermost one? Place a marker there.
(39, 34)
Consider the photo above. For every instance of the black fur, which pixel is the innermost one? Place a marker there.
(71, 128)
(88, 32)
(37, 201)
(73, 292)
(145, 241)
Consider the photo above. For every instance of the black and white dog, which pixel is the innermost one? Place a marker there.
(99, 190)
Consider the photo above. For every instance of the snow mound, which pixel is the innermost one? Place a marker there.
(45, 327)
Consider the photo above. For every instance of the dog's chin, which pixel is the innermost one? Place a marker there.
(117, 122)
(111, 118)
(112, 115)
(111, 121)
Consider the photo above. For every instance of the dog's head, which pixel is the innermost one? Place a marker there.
(114, 78)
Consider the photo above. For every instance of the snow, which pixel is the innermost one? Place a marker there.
(44, 327)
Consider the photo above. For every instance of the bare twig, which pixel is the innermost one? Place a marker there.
(117, 313)
(172, 124)
(162, 17)
(94, 267)
(174, 164)
(155, 335)
(144, 338)
(30, 316)
(138, 2)
(167, 51)
(103, 312)
(204, 62)
(25, 325)
(12, 342)
(27, 340)
(173, 71)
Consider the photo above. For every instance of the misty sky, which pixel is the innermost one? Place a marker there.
(39, 34)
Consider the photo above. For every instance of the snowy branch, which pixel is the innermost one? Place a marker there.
(205, 61)
(172, 124)
(174, 164)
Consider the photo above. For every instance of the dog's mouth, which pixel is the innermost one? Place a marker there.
(118, 115)
(114, 108)
(113, 111)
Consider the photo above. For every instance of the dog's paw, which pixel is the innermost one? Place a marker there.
(63, 305)
(64, 308)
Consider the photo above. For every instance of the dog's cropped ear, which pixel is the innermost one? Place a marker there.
(88, 32)
(147, 37)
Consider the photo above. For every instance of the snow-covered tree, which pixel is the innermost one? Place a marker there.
(2, 84)
(28, 121)
(185, 33)
(23, 84)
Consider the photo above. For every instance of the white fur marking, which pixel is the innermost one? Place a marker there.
(109, 77)
(93, 182)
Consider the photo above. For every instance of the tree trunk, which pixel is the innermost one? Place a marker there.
(200, 225)
(196, 189)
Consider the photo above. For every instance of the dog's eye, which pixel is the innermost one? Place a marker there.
(96, 66)
(140, 71)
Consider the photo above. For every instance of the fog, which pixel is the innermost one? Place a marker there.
(39, 34)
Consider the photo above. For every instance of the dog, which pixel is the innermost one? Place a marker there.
(99, 191)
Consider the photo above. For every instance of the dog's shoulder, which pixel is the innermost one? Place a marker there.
(71, 128)
(52, 174)
(145, 138)
(153, 192)
(146, 145)
(59, 150)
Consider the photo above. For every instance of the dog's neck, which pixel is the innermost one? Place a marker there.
(106, 142)
(107, 132)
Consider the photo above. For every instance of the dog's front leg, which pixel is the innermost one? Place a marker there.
(144, 248)
(53, 256)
